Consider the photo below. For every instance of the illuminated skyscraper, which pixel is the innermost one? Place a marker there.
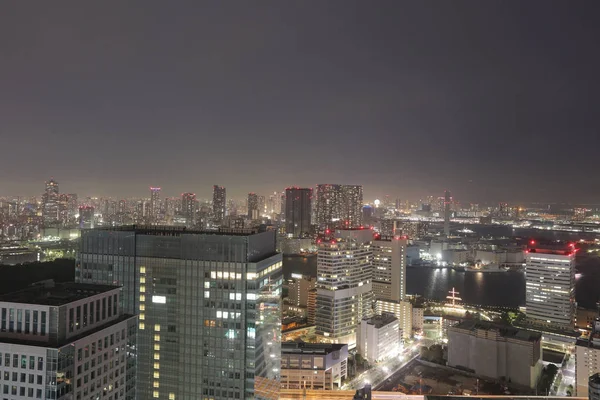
(188, 208)
(219, 203)
(447, 202)
(154, 211)
(351, 206)
(50, 203)
(253, 212)
(86, 217)
(550, 287)
(389, 268)
(208, 305)
(339, 206)
(298, 212)
(344, 290)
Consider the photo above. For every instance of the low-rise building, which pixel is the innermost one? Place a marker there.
(313, 366)
(67, 341)
(496, 351)
(418, 318)
(378, 337)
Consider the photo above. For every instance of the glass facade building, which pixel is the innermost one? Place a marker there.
(208, 305)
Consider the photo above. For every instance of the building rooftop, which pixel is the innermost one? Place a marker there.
(381, 320)
(310, 348)
(55, 295)
(508, 332)
(163, 230)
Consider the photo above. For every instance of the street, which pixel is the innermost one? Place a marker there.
(378, 374)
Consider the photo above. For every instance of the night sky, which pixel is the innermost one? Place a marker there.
(494, 100)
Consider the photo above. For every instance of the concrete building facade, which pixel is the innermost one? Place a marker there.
(209, 306)
(313, 366)
(389, 268)
(379, 337)
(587, 358)
(496, 351)
(550, 288)
(67, 341)
(344, 290)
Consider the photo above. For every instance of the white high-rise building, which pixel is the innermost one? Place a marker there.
(344, 290)
(550, 290)
(389, 268)
(379, 337)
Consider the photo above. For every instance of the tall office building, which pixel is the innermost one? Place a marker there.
(67, 341)
(447, 203)
(351, 206)
(208, 304)
(253, 211)
(50, 203)
(298, 212)
(344, 290)
(389, 268)
(274, 205)
(219, 203)
(550, 287)
(86, 217)
(188, 208)
(338, 206)
(154, 210)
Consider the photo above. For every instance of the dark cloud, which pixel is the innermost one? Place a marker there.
(495, 100)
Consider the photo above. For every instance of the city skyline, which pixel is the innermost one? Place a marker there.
(401, 97)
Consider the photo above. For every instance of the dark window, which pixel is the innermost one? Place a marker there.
(3, 327)
(91, 312)
(104, 308)
(27, 321)
(71, 319)
(19, 321)
(11, 319)
(109, 307)
(35, 322)
(78, 318)
(43, 330)
(85, 315)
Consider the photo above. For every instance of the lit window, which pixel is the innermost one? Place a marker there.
(156, 356)
(142, 270)
(142, 279)
(156, 384)
(156, 375)
(156, 365)
(206, 285)
(159, 299)
(171, 396)
(142, 317)
(155, 394)
(206, 294)
(142, 288)
(142, 307)
(157, 337)
(142, 297)
(157, 328)
(142, 326)
(156, 346)
(219, 314)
